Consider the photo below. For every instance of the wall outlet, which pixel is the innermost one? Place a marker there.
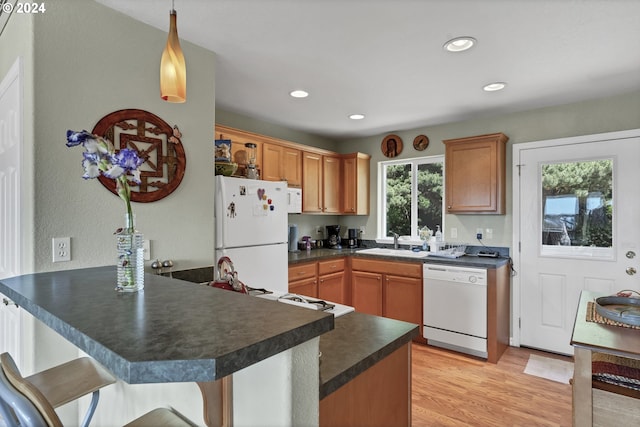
(61, 249)
(479, 233)
(318, 229)
(362, 229)
(489, 233)
(454, 233)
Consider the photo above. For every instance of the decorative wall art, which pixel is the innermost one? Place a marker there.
(391, 145)
(421, 142)
(158, 143)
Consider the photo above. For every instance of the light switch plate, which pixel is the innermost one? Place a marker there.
(61, 249)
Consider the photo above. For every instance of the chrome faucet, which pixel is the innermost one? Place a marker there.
(395, 239)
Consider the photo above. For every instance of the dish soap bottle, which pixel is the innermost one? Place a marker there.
(438, 234)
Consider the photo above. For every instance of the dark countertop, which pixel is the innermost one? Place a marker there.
(358, 342)
(464, 261)
(172, 331)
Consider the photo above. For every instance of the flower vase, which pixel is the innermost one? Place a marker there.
(130, 262)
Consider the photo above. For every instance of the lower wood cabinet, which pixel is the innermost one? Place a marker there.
(380, 396)
(403, 298)
(322, 279)
(366, 292)
(303, 279)
(388, 288)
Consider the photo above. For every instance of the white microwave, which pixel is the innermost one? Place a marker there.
(294, 200)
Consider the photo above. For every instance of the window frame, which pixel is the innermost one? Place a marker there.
(382, 197)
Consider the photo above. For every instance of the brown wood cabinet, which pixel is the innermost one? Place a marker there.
(355, 183)
(331, 183)
(312, 183)
(303, 279)
(380, 396)
(475, 178)
(322, 279)
(332, 283)
(320, 183)
(388, 288)
(282, 163)
(331, 188)
(367, 292)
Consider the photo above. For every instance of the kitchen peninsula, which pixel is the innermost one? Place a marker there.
(176, 331)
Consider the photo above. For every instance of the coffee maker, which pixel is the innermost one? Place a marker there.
(333, 237)
(353, 238)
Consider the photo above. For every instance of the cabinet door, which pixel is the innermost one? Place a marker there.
(403, 298)
(10, 329)
(306, 287)
(367, 292)
(311, 182)
(272, 162)
(475, 178)
(292, 166)
(355, 184)
(331, 184)
(332, 287)
(349, 183)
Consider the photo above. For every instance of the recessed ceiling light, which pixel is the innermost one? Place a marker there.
(460, 44)
(356, 116)
(492, 87)
(299, 94)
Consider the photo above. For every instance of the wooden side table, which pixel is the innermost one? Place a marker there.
(594, 407)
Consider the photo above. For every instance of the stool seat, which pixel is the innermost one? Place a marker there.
(161, 417)
(31, 401)
(70, 381)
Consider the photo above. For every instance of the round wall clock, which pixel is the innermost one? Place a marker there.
(391, 145)
(156, 142)
(421, 142)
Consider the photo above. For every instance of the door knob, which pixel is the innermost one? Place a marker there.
(630, 271)
(630, 254)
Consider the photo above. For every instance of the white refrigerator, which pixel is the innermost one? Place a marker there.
(251, 229)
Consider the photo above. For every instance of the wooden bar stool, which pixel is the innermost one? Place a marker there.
(31, 401)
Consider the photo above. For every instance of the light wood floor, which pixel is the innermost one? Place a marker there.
(450, 389)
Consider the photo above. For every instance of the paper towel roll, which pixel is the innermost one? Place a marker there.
(293, 238)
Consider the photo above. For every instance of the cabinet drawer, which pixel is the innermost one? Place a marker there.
(398, 268)
(330, 266)
(302, 271)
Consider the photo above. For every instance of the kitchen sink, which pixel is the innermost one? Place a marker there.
(394, 252)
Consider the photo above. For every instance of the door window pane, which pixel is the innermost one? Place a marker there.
(577, 204)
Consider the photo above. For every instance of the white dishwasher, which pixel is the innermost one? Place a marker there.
(455, 308)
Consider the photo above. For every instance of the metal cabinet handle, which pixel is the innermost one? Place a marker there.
(630, 254)
(631, 271)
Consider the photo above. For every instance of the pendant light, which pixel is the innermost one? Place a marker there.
(173, 71)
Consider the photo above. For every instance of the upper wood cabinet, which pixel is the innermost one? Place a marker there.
(331, 187)
(312, 183)
(355, 183)
(320, 183)
(331, 183)
(475, 174)
(282, 163)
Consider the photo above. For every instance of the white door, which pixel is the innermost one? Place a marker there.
(578, 229)
(10, 169)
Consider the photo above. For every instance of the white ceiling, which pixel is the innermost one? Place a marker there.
(384, 58)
